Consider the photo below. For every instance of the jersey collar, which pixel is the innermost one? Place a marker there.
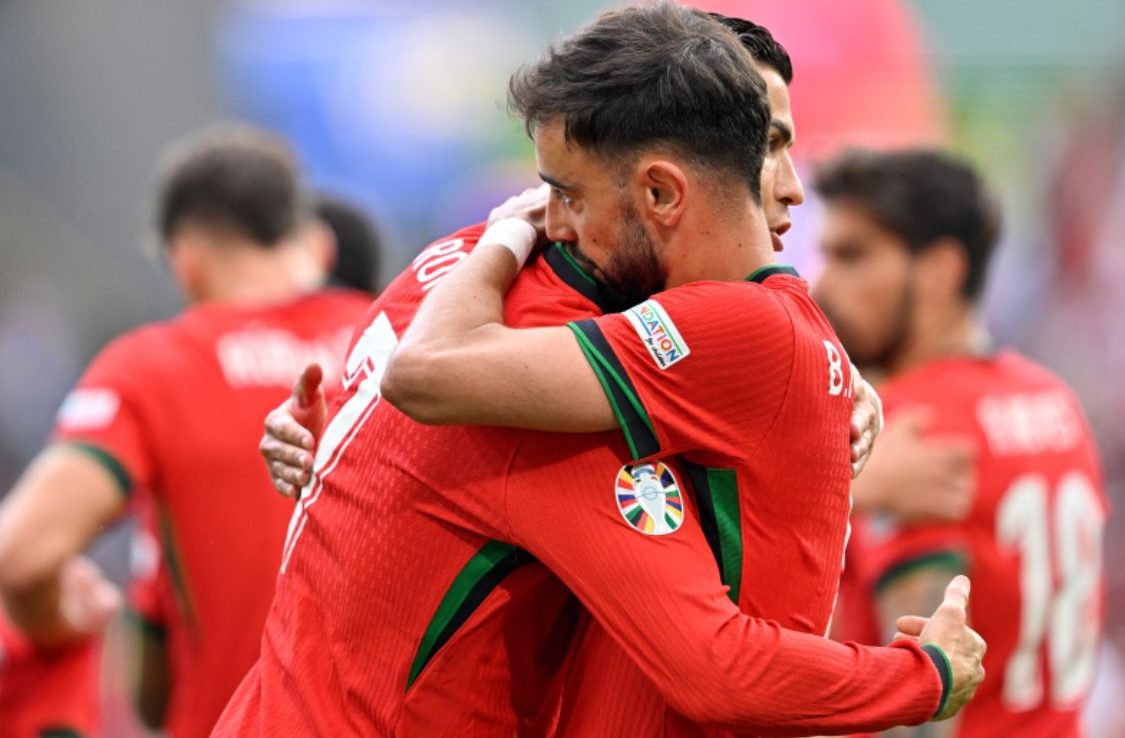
(581, 281)
(762, 274)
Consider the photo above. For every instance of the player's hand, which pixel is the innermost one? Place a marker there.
(291, 433)
(948, 628)
(529, 205)
(915, 477)
(87, 600)
(867, 422)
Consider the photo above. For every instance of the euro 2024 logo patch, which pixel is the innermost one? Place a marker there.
(649, 498)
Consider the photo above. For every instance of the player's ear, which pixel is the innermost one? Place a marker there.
(665, 187)
(185, 259)
(944, 267)
(322, 242)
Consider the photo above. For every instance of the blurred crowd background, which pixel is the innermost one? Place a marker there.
(398, 107)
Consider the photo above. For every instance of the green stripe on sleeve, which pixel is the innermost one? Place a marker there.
(717, 499)
(480, 575)
(941, 662)
(724, 494)
(630, 411)
(107, 461)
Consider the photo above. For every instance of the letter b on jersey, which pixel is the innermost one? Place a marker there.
(835, 369)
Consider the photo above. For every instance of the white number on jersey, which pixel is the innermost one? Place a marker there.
(1058, 585)
(363, 371)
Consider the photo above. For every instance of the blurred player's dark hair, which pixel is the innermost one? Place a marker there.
(359, 248)
(652, 75)
(761, 44)
(232, 177)
(922, 195)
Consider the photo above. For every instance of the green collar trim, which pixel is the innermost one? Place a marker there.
(762, 274)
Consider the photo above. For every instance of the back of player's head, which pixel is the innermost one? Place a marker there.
(649, 76)
(359, 249)
(761, 44)
(233, 178)
(921, 195)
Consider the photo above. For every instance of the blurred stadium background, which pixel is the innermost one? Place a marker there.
(398, 106)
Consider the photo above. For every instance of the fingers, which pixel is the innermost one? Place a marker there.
(287, 490)
(307, 385)
(277, 449)
(289, 474)
(911, 625)
(281, 426)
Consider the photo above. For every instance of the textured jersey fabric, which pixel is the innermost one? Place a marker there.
(1031, 542)
(175, 411)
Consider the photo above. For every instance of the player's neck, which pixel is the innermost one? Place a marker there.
(253, 276)
(727, 248)
(956, 333)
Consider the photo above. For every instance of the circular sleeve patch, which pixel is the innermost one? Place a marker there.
(649, 498)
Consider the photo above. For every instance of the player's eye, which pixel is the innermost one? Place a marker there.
(562, 196)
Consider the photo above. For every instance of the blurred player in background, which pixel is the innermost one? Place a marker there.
(907, 239)
(358, 245)
(169, 413)
(624, 577)
(53, 692)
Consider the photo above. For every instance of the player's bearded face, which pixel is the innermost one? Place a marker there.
(867, 286)
(634, 267)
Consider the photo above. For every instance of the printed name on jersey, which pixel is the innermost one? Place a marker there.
(268, 357)
(658, 333)
(649, 499)
(1031, 423)
(88, 409)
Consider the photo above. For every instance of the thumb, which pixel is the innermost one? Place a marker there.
(957, 592)
(307, 385)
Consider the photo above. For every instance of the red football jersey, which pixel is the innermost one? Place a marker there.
(749, 382)
(175, 411)
(1031, 542)
(47, 693)
(410, 603)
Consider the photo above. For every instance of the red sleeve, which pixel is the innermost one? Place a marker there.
(109, 413)
(660, 598)
(697, 368)
(891, 550)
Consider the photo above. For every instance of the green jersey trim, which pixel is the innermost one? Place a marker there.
(58, 732)
(623, 398)
(953, 560)
(763, 273)
(716, 494)
(108, 462)
(944, 668)
(177, 575)
(476, 580)
(563, 263)
(150, 628)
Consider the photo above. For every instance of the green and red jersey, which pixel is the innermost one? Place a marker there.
(1031, 541)
(426, 583)
(174, 410)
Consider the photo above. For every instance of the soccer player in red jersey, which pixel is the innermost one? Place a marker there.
(170, 413)
(405, 542)
(54, 692)
(907, 238)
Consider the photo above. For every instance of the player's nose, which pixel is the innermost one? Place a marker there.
(557, 226)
